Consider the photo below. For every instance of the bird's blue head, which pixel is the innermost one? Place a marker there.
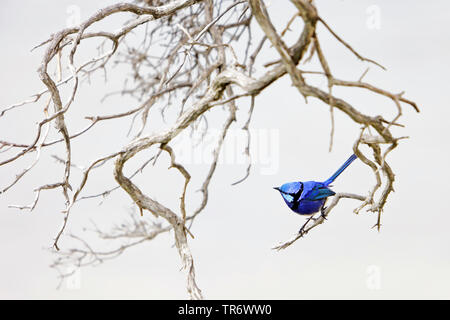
(288, 190)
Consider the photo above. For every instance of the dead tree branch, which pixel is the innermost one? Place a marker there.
(189, 60)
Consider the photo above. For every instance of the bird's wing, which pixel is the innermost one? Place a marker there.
(319, 192)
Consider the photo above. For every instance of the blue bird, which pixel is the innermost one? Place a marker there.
(309, 197)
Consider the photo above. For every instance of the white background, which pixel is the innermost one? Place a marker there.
(409, 258)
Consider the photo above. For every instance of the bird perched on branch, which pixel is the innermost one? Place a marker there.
(309, 197)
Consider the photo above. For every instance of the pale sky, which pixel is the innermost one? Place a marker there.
(343, 258)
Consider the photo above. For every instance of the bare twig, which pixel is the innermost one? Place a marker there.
(190, 59)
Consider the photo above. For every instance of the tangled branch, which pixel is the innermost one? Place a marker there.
(188, 60)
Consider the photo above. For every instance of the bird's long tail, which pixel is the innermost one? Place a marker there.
(340, 170)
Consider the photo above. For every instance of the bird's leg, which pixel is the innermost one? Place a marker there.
(322, 212)
(301, 231)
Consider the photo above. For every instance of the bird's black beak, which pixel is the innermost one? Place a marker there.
(277, 188)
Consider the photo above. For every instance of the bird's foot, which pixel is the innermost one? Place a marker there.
(302, 229)
(322, 213)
